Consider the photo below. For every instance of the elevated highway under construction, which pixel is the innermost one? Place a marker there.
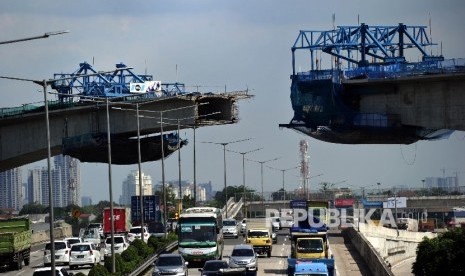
(90, 103)
(371, 93)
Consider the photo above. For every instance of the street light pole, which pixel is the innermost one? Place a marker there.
(224, 144)
(195, 171)
(261, 172)
(163, 172)
(139, 161)
(50, 187)
(243, 177)
(110, 190)
(179, 169)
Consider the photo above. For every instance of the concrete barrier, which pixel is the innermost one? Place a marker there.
(375, 262)
(62, 231)
(393, 245)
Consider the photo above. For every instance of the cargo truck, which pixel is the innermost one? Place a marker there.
(258, 233)
(15, 242)
(310, 251)
(121, 220)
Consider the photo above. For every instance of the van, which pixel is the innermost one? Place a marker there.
(62, 250)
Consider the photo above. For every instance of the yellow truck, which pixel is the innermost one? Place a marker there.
(15, 242)
(258, 234)
(310, 246)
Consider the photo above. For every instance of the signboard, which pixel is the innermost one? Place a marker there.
(145, 87)
(395, 202)
(344, 202)
(298, 204)
(151, 207)
(76, 213)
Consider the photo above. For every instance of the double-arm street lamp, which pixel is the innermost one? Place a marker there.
(224, 144)
(261, 173)
(283, 171)
(243, 176)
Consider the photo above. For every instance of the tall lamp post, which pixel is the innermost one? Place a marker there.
(283, 171)
(261, 173)
(243, 176)
(224, 144)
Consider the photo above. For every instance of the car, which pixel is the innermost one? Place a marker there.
(171, 224)
(85, 253)
(120, 244)
(286, 222)
(134, 233)
(73, 240)
(170, 264)
(90, 235)
(212, 267)
(274, 237)
(99, 226)
(243, 225)
(276, 223)
(230, 228)
(62, 249)
(46, 271)
(243, 255)
(156, 229)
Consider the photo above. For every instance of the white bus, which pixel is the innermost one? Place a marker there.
(200, 235)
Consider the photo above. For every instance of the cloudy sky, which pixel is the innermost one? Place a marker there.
(241, 44)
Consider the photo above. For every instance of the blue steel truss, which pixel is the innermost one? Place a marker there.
(386, 44)
(104, 84)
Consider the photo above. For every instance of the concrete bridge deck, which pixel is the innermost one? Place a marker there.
(23, 136)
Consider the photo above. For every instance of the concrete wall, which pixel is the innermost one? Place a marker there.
(376, 264)
(63, 231)
(393, 245)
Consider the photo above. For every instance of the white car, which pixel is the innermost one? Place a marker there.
(134, 233)
(230, 228)
(73, 240)
(276, 223)
(85, 253)
(62, 249)
(120, 244)
(45, 271)
(243, 225)
(286, 222)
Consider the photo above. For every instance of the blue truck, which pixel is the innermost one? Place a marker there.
(310, 252)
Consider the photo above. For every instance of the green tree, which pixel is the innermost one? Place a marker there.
(237, 191)
(278, 195)
(33, 208)
(442, 255)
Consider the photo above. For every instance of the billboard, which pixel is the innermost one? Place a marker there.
(298, 204)
(145, 87)
(344, 202)
(151, 207)
(395, 202)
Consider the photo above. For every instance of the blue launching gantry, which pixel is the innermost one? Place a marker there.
(386, 44)
(86, 81)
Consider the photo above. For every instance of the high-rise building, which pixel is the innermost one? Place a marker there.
(86, 201)
(448, 184)
(66, 183)
(11, 189)
(131, 187)
(34, 186)
(66, 179)
(208, 191)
